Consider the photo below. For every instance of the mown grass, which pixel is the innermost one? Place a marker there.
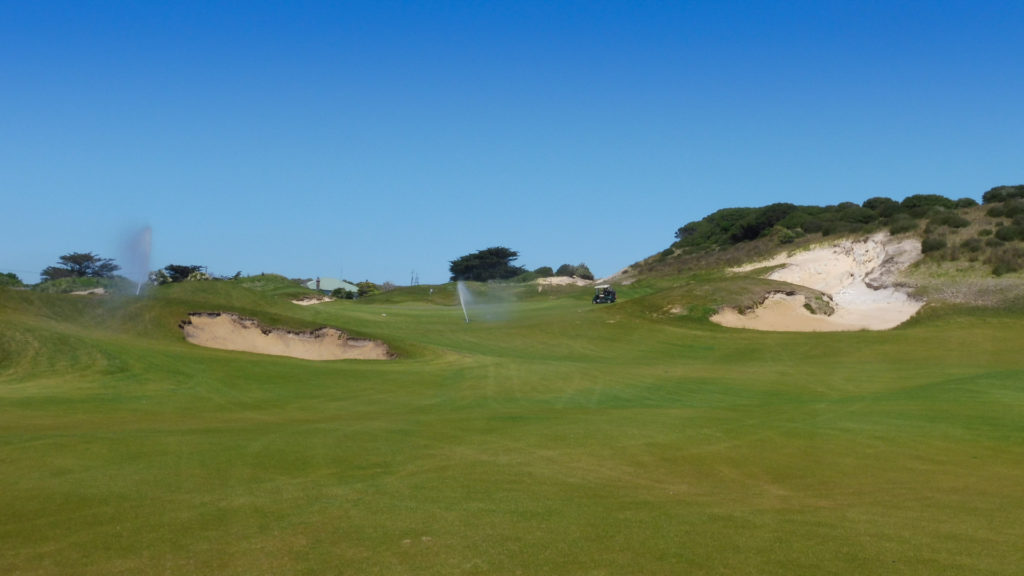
(547, 436)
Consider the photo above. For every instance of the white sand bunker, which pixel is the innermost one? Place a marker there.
(858, 279)
(310, 300)
(232, 332)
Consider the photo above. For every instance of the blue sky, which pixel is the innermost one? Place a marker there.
(373, 139)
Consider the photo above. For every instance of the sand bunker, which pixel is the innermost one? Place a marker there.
(231, 332)
(310, 300)
(859, 279)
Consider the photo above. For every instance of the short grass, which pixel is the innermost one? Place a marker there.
(547, 436)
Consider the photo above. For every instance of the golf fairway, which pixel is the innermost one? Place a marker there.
(545, 436)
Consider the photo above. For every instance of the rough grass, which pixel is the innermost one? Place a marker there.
(549, 435)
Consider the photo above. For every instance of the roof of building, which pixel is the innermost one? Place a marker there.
(331, 284)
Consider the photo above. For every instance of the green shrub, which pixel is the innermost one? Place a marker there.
(972, 244)
(932, 244)
(966, 203)
(785, 235)
(984, 232)
(812, 226)
(919, 205)
(1002, 194)
(949, 218)
(1013, 208)
(583, 272)
(565, 270)
(117, 284)
(579, 270)
(1006, 260)
(342, 294)
(367, 288)
(884, 207)
(1010, 233)
(10, 279)
(854, 214)
(902, 223)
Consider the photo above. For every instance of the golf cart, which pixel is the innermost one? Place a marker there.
(604, 294)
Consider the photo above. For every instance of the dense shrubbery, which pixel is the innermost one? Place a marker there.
(578, 270)
(180, 273)
(972, 245)
(367, 288)
(948, 218)
(1002, 194)
(1000, 248)
(932, 244)
(117, 284)
(1010, 233)
(568, 270)
(884, 207)
(948, 226)
(583, 272)
(10, 279)
(1009, 209)
(787, 222)
(1006, 259)
(565, 270)
(919, 205)
(342, 294)
(902, 223)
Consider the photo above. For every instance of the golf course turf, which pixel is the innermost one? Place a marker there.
(546, 436)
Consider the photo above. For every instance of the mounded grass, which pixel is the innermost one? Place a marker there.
(547, 436)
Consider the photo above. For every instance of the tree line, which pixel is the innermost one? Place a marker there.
(90, 265)
(496, 263)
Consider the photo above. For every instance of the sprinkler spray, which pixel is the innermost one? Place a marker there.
(463, 294)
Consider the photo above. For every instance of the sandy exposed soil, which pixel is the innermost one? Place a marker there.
(100, 291)
(231, 332)
(310, 300)
(563, 281)
(859, 277)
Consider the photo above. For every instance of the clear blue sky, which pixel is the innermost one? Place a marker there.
(371, 139)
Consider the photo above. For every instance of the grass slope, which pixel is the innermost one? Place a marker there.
(546, 436)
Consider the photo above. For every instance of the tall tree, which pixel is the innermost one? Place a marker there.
(488, 264)
(79, 265)
(181, 272)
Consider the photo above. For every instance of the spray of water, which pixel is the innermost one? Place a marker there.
(137, 250)
(463, 296)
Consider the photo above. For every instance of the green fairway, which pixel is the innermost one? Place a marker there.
(546, 436)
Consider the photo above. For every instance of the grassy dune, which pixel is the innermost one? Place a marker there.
(547, 436)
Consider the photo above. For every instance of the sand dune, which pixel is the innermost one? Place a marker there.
(859, 277)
